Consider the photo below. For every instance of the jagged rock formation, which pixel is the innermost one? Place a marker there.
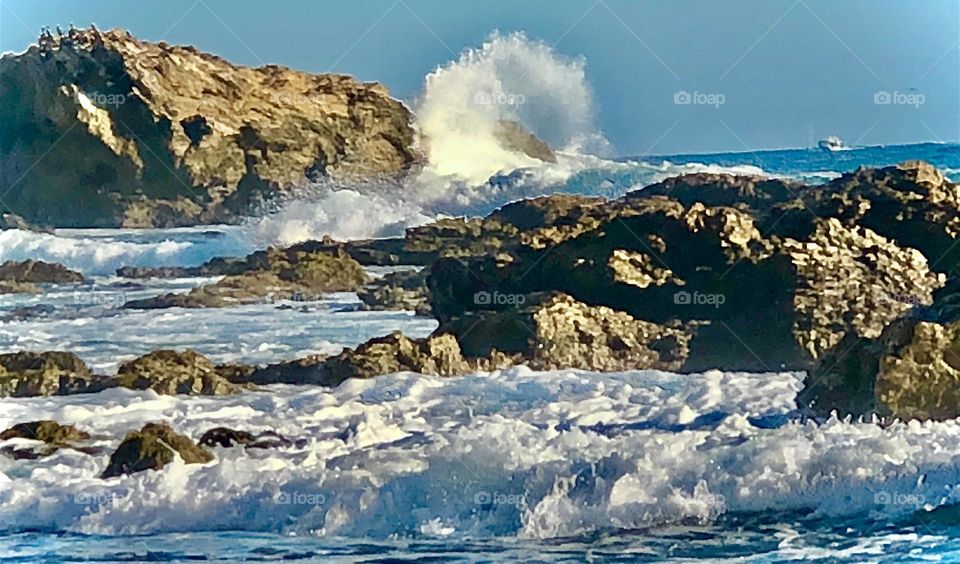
(151, 448)
(146, 134)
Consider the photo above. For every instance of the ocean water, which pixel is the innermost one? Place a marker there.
(512, 465)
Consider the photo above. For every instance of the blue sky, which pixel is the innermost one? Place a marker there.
(787, 72)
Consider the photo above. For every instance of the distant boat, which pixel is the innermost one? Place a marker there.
(832, 143)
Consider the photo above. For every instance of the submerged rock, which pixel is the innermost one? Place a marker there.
(226, 438)
(145, 134)
(151, 448)
(29, 374)
(172, 372)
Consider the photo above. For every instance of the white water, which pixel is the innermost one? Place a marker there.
(537, 455)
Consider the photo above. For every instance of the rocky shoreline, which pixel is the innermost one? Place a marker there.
(851, 282)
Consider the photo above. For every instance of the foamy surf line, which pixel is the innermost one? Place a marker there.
(101, 252)
(511, 453)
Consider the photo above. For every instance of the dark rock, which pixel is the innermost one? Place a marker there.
(304, 371)
(226, 438)
(439, 355)
(152, 448)
(38, 272)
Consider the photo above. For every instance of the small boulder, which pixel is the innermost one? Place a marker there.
(151, 448)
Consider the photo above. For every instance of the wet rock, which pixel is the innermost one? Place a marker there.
(172, 372)
(226, 438)
(148, 134)
(29, 374)
(38, 272)
(404, 290)
(304, 371)
(151, 448)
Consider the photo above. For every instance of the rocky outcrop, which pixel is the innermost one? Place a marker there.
(555, 332)
(296, 273)
(438, 355)
(151, 448)
(403, 290)
(38, 272)
(172, 372)
(142, 134)
(29, 374)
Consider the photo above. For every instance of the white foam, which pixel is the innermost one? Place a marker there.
(518, 452)
(103, 251)
(510, 77)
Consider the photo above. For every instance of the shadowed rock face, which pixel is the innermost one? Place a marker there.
(142, 134)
